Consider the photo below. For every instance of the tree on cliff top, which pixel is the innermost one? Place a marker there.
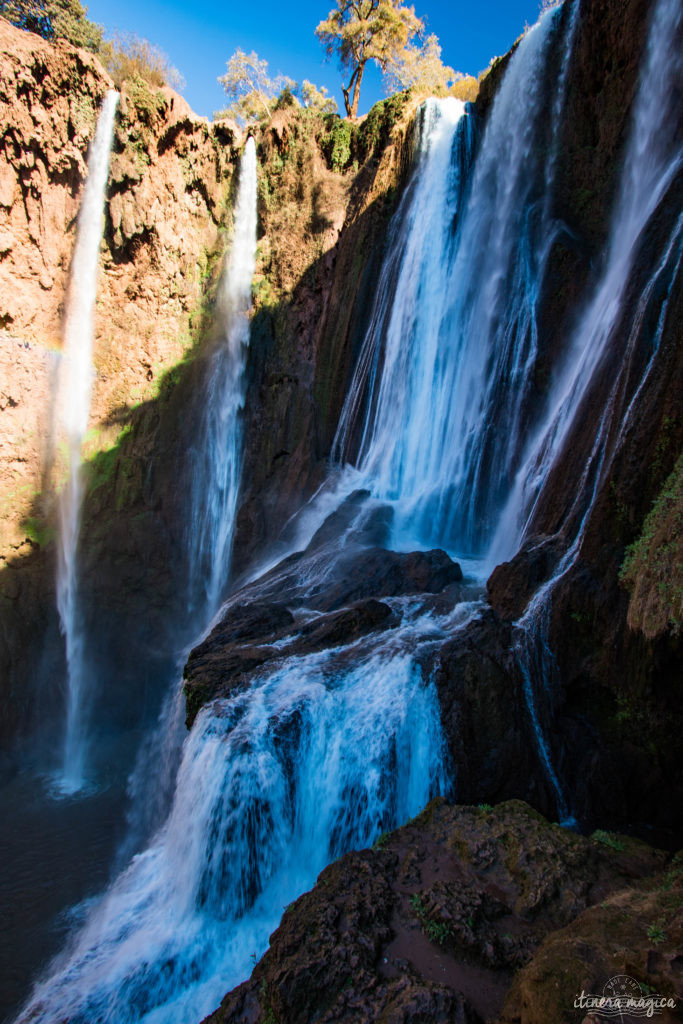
(249, 87)
(54, 19)
(314, 98)
(129, 56)
(358, 31)
(420, 67)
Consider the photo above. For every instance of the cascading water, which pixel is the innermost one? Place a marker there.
(217, 453)
(448, 362)
(73, 409)
(215, 478)
(275, 782)
(653, 158)
(326, 750)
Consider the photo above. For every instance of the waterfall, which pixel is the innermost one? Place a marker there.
(410, 278)
(73, 409)
(217, 452)
(324, 751)
(653, 158)
(275, 782)
(449, 362)
(216, 465)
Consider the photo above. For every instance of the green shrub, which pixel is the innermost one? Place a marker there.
(607, 839)
(336, 144)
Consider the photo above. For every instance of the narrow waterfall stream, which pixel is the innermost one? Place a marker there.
(441, 442)
(216, 456)
(73, 408)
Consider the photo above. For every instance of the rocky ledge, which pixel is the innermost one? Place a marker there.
(471, 914)
(317, 600)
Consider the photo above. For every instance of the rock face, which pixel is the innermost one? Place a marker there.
(168, 214)
(49, 96)
(619, 676)
(167, 210)
(169, 180)
(436, 921)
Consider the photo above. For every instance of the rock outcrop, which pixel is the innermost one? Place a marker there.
(469, 914)
(296, 609)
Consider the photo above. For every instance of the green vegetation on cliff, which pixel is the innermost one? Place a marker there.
(653, 567)
(54, 19)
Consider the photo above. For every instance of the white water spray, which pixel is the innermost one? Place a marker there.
(448, 363)
(217, 456)
(73, 409)
(318, 756)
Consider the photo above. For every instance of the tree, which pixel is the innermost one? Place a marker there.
(358, 31)
(54, 19)
(129, 56)
(249, 88)
(420, 67)
(314, 98)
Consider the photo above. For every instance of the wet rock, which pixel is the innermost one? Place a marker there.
(377, 572)
(337, 600)
(359, 520)
(226, 657)
(343, 627)
(251, 635)
(512, 584)
(254, 621)
(491, 742)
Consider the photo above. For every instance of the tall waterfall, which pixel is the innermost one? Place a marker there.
(216, 464)
(73, 408)
(447, 362)
(653, 158)
(326, 750)
(217, 453)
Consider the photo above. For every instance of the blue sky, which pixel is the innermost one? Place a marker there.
(200, 35)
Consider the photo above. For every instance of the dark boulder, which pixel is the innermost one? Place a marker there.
(377, 572)
(512, 584)
(491, 743)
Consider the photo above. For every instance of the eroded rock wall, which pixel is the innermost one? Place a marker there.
(166, 216)
(620, 705)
